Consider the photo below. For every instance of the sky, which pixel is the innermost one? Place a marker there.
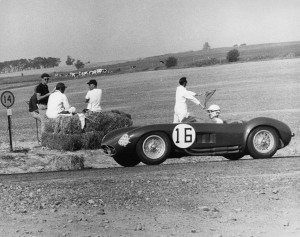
(109, 30)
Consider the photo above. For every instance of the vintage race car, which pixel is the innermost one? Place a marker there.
(152, 144)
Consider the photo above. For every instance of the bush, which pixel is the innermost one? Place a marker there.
(70, 61)
(233, 55)
(206, 46)
(79, 64)
(65, 133)
(171, 62)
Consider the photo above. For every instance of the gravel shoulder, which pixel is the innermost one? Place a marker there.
(196, 198)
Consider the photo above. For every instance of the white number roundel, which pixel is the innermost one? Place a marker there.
(183, 135)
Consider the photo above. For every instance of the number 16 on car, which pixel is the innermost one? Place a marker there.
(183, 135)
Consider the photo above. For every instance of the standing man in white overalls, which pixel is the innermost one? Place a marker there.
(180, 109)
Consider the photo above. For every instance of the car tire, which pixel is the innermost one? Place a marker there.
(129, 161)
(234, 156)
(153, 148)
(262, 142)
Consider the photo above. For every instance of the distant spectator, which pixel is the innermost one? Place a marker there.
(58, 103)
(93, 97)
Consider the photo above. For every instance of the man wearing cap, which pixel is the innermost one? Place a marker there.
(93, 97)
(180, 109)
(42, 95)
(58, 102)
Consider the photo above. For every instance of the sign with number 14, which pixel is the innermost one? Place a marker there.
(7, 99)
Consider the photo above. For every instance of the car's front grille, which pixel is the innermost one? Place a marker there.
(108, 150)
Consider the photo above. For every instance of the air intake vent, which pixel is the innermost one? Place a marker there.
(206, 138)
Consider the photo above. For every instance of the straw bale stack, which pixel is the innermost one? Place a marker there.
(65, 133)
(67, 162)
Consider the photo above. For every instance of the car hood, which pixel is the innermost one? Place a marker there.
(115, 134)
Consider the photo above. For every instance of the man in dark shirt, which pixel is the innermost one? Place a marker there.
(42, 95)
(42, 90)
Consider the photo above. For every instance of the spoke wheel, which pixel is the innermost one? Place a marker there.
(154, 148)
(263, 142)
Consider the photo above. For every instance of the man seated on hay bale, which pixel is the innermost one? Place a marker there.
(58, 103)
(81, 131)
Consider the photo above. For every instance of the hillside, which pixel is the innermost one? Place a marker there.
(215, 56)
(188, 59)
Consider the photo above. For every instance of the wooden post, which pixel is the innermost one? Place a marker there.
(9, 131)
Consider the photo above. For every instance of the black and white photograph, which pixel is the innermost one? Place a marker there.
(154, 118)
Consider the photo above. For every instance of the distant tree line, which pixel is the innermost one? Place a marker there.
(28, 64)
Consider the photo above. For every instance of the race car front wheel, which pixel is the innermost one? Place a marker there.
(127, 161)
(153, 148)
(262, 142)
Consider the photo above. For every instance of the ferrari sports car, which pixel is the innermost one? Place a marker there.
(260, 137)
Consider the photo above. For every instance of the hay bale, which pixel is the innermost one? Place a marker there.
(65, 142)
(64, 133)
(107, 121)
(67, 162)
(64, 125)
(91, 140)
(121, 113)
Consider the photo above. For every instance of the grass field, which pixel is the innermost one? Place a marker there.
(244, 91)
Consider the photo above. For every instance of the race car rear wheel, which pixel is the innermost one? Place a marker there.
(234, 156)
(153, 148)
(127, 161)
(262, 142)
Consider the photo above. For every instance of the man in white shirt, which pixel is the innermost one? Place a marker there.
(58, 103)
(93, 97)
(180, 109)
